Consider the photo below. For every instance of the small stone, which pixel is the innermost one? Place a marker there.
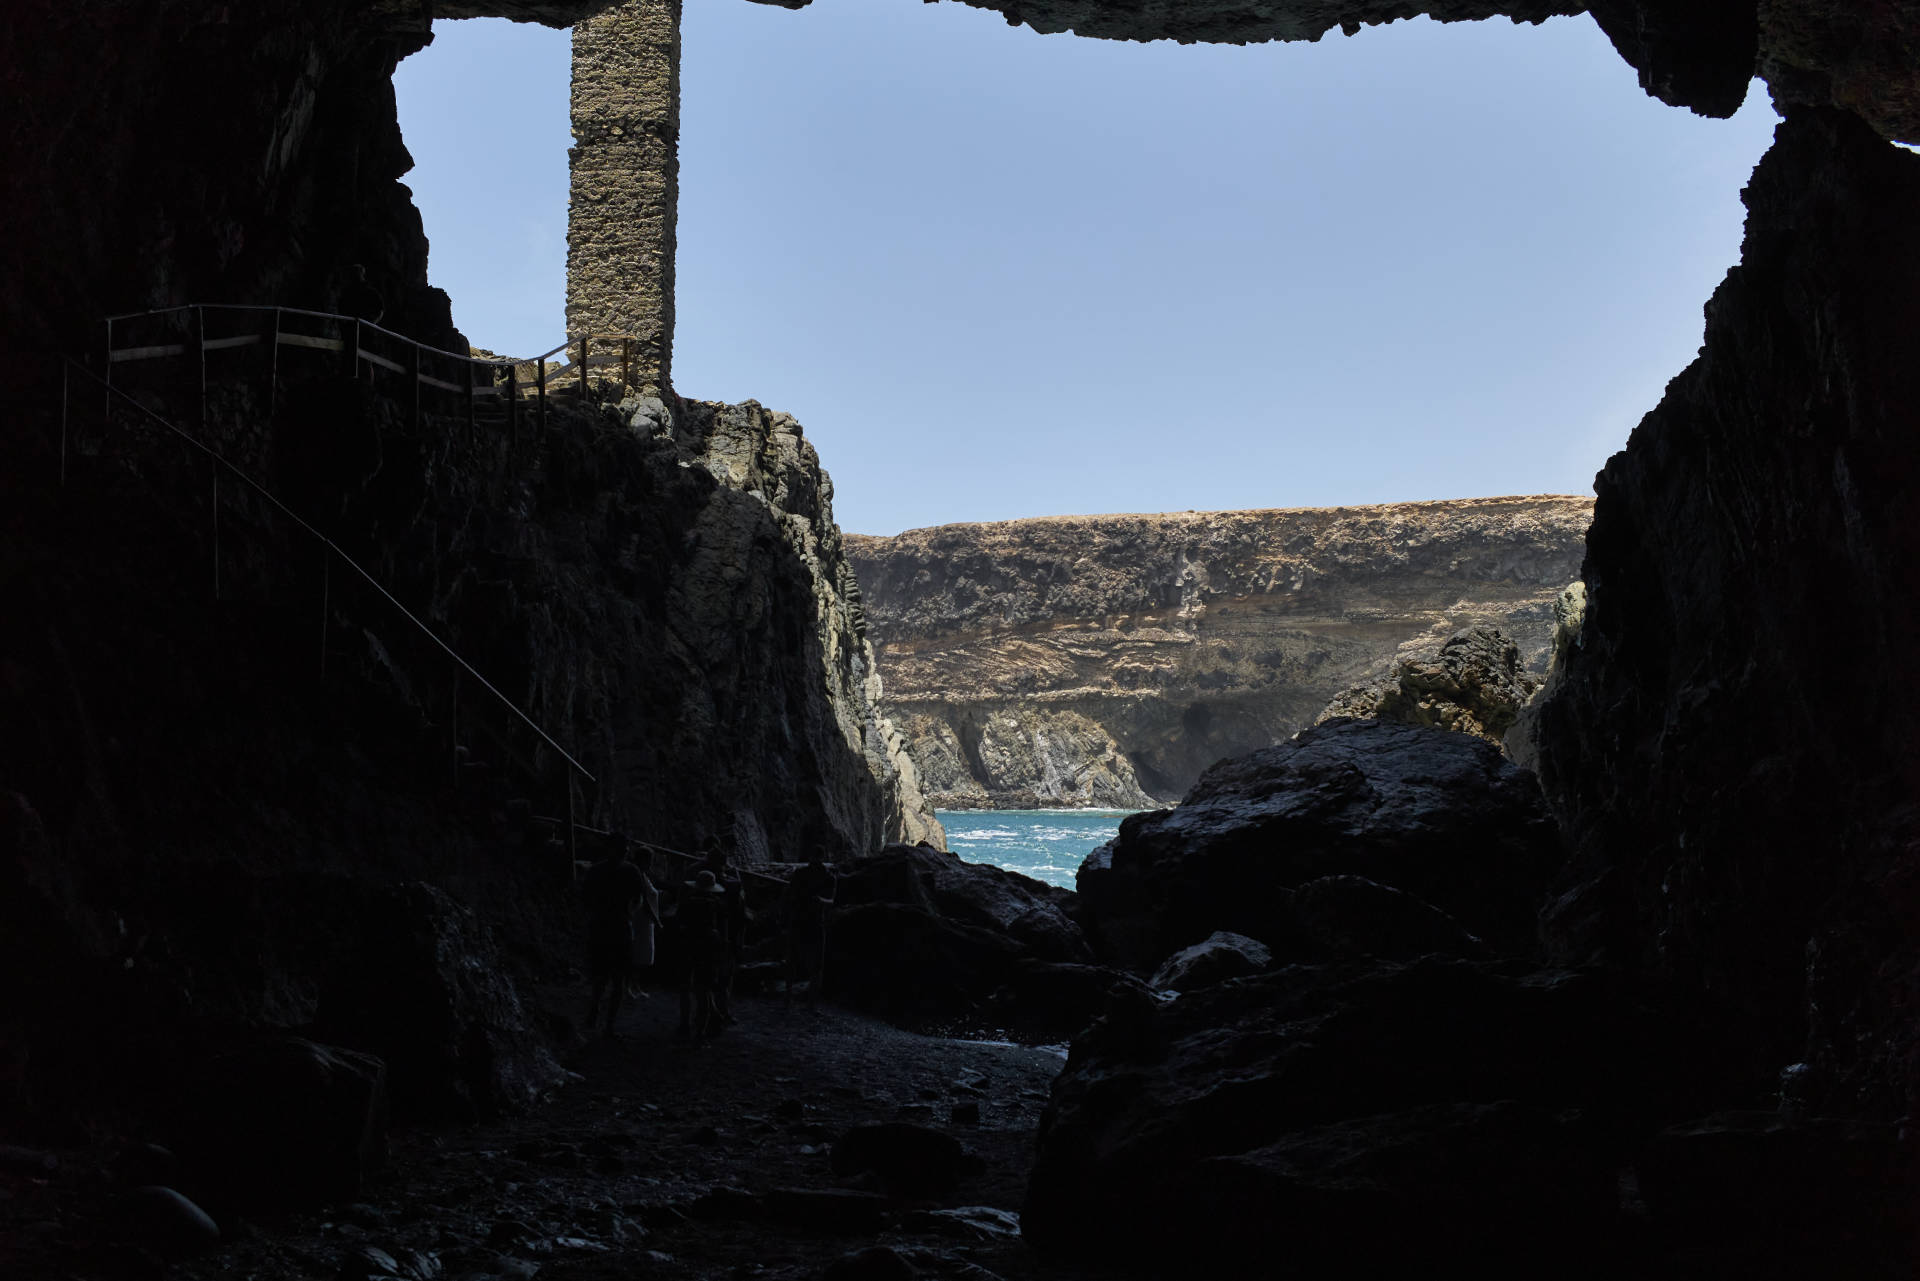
(170, 1222)
(145, 1163)
(911, 1160)
(368, 1263)
(30, 1161)
(843, 1210)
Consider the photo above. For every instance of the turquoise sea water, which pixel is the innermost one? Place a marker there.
(1045, 844)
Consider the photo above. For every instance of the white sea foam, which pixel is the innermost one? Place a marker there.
(1047, 845)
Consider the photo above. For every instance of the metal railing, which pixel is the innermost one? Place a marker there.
(331, 551)
(361, 342)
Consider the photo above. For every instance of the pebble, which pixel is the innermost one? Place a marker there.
(170, 1222)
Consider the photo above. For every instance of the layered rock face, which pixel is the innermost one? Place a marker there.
(1108, 660)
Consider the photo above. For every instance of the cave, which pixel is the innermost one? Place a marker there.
(230, 801)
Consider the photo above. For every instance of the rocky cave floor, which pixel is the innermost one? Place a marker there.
(663, 1159)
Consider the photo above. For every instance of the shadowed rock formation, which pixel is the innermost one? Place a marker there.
(1108, 660)
(1440, 816)
(1741, 794)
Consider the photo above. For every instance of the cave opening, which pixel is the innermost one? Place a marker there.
(483, 110)
(1326, 257)
(1691, 1045)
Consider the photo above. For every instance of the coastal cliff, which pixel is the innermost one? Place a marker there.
(1108, 660)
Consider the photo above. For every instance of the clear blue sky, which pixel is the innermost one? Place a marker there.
(999, 274)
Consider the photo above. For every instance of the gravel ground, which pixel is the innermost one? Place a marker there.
(662, 1160)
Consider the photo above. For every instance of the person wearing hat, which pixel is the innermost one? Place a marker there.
(703, 934)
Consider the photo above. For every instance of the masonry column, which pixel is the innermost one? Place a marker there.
(626, 180)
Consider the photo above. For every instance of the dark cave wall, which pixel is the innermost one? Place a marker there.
(1732, 746)
(189, 152)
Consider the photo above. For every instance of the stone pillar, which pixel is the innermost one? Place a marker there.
(625, 187)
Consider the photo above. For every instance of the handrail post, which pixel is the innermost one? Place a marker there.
(66, 378)
(326, 592)
(353, 369)
(513, 407)
(200, 335)
(453, 728)
(573, 831)
(106, 419)
(626, 359)
(540, 392)
(216, 530)
(419, 359)
(583, 368)
(472, 431)
(273, 373)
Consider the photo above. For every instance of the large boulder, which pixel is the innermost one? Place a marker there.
(1477, 1185)
(1440, 816)
(909, 1160)
(1347, 916)
(977, 894)
(1766, 1195)
(1464, 1108)
(921, 934)
(1221, 956)
(423, 985)
(286, 1122)
(1475, 683)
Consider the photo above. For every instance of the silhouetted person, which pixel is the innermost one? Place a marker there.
(360, 298)
(733, 913)
(809, 900)
(646, 926)
(611, 888)
(703, 933)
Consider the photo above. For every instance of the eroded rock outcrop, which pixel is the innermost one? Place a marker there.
(1473, 684)
(1108, 660)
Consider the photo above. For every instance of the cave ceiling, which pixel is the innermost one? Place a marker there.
(1698, 54)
